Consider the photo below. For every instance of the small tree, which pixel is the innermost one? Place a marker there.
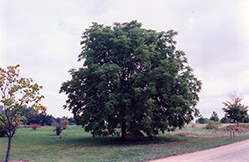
(16, 93)
(60, 125)
(235, 110)
(214, 117)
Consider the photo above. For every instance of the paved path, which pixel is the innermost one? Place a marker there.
(235, 152)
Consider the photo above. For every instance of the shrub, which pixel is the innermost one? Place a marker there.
(212, 125)
(35, 126)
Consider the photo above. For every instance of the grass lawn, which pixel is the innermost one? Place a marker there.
(77, 145)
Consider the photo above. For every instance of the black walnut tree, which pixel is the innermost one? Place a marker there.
(133, 81)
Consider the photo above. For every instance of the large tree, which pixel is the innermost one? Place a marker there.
(235, 110)
(132, 78)
(16, 93)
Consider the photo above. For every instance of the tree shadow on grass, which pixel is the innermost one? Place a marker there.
(117, 141)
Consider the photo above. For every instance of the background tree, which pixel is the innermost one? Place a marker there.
(60, 125)
(225, 119)
(235, 110)
(70, 120)
(2, 131)
(202, 120)
(214, 117)
(33, 117)
(246, 120)
(133, 79)
(16, 93)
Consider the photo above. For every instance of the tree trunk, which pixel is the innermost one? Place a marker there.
(237, 126)
(123, 129)
(8, 150)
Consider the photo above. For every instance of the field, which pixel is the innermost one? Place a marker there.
(77, 145)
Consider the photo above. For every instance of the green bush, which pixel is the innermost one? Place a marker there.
(212, 125)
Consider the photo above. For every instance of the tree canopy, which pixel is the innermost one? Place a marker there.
(132, 78)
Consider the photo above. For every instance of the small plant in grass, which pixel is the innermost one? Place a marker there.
(212, 125)
(60, 125)
(35, 126)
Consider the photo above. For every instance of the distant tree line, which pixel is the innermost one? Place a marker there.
(40, 118)
(234, 111)
(225, 119)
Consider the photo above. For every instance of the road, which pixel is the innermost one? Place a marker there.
(235, 152)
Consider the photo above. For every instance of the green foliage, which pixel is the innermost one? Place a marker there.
(214, 117)
(225, 119)
(212, 125)
(33, 117)
(246, 120)
(202, 120)
(235, 110)
(132, 78)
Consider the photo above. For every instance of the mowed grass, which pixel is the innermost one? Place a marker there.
(77, 145)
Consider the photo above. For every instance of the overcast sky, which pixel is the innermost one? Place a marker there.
(43, 36)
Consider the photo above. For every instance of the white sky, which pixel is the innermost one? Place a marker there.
(43, 36)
